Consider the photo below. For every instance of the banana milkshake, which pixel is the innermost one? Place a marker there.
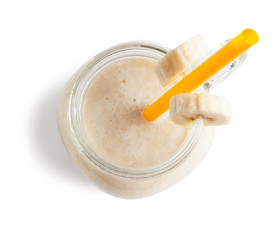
(102, 126)
(113, 114)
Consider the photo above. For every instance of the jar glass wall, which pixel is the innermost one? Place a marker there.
(114, 179)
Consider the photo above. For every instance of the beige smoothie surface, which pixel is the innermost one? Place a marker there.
(113, 121)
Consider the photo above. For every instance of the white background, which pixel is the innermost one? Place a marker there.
(232, 194)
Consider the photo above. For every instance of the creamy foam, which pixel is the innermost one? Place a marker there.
(113, 121)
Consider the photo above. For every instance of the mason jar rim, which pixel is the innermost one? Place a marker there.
(84, 77)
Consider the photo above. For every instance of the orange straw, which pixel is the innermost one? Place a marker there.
(203, 72)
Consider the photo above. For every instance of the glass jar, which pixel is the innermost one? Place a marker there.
(113, 179)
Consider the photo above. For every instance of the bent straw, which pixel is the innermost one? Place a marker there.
(207, 69)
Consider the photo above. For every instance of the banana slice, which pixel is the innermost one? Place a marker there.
(178, 62)
(214, 110)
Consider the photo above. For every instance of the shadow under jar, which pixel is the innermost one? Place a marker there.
(101, 124)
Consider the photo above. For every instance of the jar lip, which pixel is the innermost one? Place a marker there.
(88, 71)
